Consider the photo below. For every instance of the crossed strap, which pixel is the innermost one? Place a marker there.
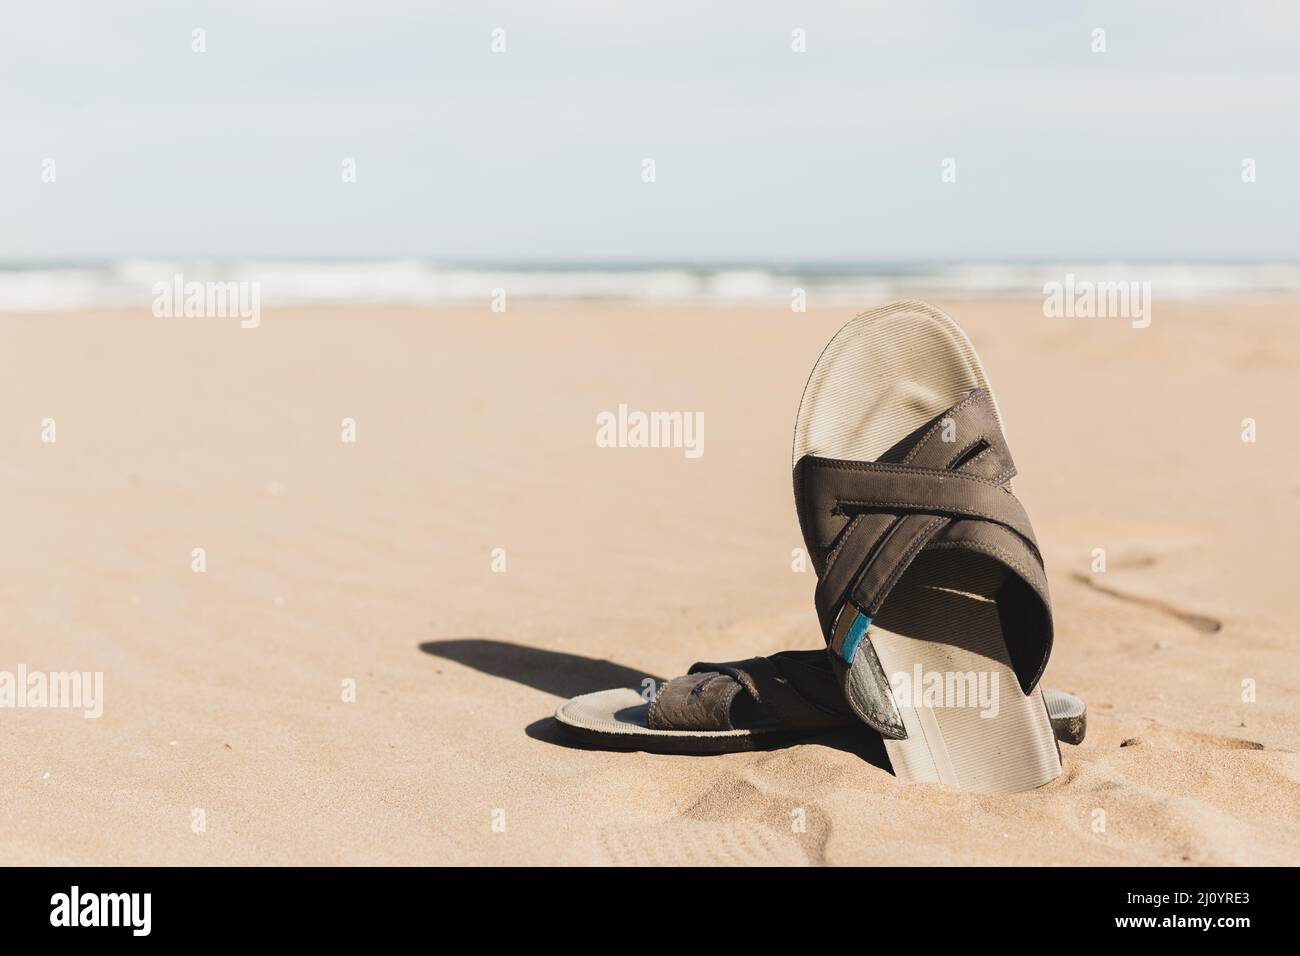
(792, 690)
(942, 487)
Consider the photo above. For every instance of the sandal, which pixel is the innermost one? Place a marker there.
(931, 591)
(743, 705)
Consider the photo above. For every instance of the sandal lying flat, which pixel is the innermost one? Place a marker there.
(931, 591)
(743, 705)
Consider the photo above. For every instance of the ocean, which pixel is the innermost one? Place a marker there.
(128, 283)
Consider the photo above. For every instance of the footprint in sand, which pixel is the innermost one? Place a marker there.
(1200, 622)
(688, 843)
(757, 815)
(763, 797)
(1155, 734)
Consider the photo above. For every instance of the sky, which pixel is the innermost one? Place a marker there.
(761, 153)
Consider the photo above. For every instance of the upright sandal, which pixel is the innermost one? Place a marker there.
(931, 591)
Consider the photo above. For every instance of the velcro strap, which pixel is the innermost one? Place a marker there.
(836, 488)
(697, 701)
(791, 690)
(968, 438)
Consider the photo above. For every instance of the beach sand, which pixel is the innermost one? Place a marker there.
(329, 562)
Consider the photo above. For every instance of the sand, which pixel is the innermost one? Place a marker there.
(225, 737)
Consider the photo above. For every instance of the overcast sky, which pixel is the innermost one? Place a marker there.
(760, 152)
